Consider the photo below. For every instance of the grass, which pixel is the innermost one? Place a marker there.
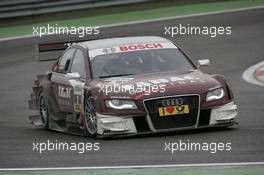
(21, 30)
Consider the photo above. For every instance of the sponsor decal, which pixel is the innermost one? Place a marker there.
(121, 79)
(173, 106)
(120, 97)
(178, 80)
(77, 103)
(129, 48)
(159, 81)
(64, 92)
(109, 50)
(140, 47)
(142, 88)
(64, 102)
(77, 89)
(174, 110)
(78, 95)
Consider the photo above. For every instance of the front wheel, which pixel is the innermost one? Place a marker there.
(90, 117)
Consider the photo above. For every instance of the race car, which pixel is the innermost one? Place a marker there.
(127, 86)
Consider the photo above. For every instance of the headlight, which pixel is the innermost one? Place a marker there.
(215, 94)
(121, 104)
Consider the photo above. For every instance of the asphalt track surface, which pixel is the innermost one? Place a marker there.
(230, 55)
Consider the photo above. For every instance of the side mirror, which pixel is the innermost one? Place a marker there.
(74, 75)
(205, 62)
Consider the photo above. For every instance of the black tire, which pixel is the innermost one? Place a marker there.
(90, 117)
(43, 111)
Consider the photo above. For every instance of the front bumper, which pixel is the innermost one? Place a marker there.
(107, 125)
(115, 125)
(223, 114)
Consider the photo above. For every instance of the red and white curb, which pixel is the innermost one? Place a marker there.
(259, 74)
(255, 74)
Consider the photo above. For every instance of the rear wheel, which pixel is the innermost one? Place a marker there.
(90, 117)
(43, 111)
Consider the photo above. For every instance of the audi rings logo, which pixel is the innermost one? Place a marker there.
(172, 102)
(109, 50)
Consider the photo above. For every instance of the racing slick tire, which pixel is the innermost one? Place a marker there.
(43, 111)
(90, 117)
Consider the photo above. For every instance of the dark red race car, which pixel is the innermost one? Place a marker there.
(127, 86)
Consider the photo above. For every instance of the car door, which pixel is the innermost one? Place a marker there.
(78, 72)
(61, 86)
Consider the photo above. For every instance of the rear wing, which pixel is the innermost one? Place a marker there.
(50, 51)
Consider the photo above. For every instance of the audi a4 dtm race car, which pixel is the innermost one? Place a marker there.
(127, 86)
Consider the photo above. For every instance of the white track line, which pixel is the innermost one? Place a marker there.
(183, 16)
(249, 74)
(133, 167)
(155, 20)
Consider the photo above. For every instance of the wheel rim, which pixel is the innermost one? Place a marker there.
(43, 109)
(90, 116)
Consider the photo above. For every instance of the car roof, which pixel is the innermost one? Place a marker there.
(110, 42)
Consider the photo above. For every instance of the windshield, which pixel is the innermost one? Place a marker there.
(144, 61)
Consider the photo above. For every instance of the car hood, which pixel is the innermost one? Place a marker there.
(142, 86)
